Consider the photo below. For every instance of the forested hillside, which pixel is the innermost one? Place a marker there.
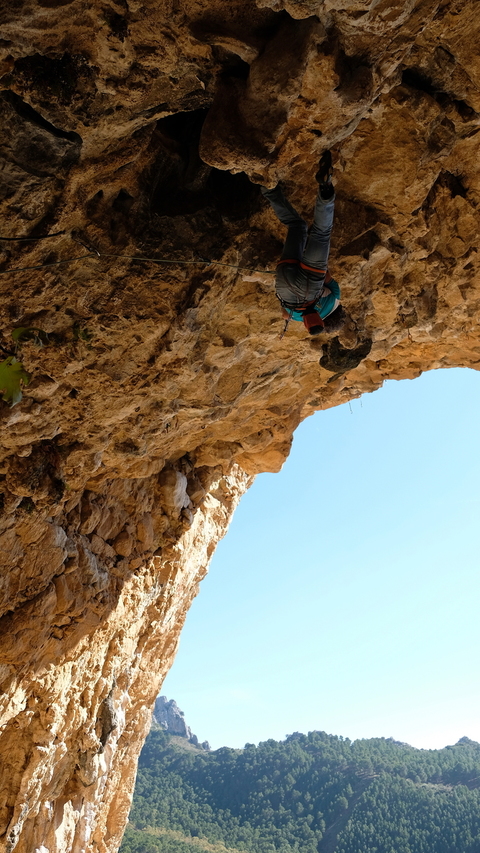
(313, 793)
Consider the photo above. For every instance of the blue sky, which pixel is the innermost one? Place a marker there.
(346, 594)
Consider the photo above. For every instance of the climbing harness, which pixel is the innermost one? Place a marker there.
(310, 316)
(303, 266)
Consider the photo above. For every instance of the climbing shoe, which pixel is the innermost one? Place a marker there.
(324, 175)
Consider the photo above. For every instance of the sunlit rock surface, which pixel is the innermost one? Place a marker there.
(163, 388)
(168, 715)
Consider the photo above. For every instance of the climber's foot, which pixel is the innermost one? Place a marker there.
(324, 176)
(325, 169)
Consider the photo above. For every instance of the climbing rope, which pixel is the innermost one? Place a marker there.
(49, 264)
(96, 254)
(27, 239)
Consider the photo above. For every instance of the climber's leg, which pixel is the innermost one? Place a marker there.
(318, 244)
(297, 227)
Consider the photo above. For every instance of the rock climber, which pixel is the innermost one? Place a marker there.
(303, 284)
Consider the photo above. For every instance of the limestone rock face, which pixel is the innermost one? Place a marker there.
(158, 390)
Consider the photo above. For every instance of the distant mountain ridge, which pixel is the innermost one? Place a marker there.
(168, 715)
(314, 793)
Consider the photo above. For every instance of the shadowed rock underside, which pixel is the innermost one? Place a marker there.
(162, 389)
